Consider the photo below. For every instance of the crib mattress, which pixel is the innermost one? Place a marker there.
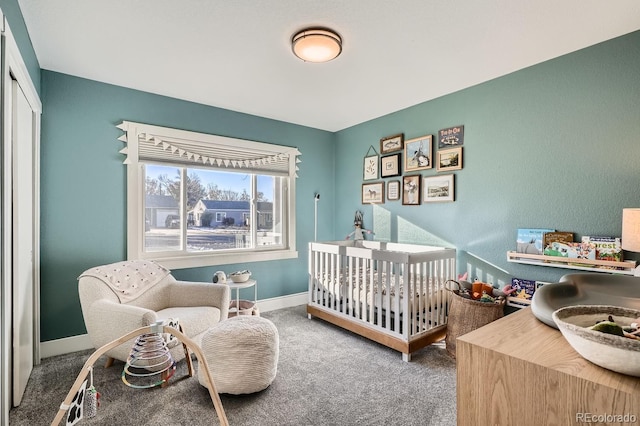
(372, 289)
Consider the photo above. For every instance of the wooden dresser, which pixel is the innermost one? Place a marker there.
(519, 371)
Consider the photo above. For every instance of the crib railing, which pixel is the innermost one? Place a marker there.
(363, 281)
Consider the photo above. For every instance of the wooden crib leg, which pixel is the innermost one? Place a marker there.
(109, 362)
(406, 357)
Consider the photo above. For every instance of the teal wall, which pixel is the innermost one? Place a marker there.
(83, 189)
(12, 11)
(556, 145)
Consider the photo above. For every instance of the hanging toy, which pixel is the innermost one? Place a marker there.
(75, 411)
(358, 233)
(93, 397)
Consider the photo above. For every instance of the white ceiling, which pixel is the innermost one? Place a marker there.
(236, 54)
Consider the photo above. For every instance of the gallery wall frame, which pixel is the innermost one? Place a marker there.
(390, 165)
(393, 190)
(391, 143)
(451, 136)
(449, 159)
(411, 190)
(439, 188)
(373, 193)
(418, 153)
(370, 167)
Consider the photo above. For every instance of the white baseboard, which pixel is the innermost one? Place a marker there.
(65, 346)
(82, 342)
(281, 302)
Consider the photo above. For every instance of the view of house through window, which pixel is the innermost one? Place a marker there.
(224, 210)
(196, 199)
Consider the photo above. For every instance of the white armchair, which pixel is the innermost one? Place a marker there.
(124, 296)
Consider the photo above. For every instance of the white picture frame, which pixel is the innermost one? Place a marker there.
(438, 189)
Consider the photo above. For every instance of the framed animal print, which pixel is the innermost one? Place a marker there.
(373, 193)
(411, 190)
(391, 143)
(418, 154)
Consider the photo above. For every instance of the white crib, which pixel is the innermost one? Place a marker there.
(362, 286)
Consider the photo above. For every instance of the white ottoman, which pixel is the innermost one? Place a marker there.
(242, 354)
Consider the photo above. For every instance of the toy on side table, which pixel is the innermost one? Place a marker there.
(358, 233)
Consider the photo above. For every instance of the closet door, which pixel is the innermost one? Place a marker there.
(23, 241)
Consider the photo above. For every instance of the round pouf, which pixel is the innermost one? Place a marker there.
(242, 354)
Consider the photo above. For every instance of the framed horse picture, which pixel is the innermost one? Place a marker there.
(373, 193)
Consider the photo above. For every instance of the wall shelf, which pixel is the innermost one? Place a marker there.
(626, 267)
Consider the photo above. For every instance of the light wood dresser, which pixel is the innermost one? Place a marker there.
(519, 371)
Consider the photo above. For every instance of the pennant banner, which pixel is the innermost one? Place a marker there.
(204, 159)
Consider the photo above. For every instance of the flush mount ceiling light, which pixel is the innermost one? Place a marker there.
(316, 45)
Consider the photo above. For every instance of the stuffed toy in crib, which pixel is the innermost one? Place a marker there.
(358, 233)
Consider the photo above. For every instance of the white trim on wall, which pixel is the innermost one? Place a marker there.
(282, 302)
(14, 68)
(149, 144)
(83, 342)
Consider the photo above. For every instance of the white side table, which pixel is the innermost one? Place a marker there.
(237, 286)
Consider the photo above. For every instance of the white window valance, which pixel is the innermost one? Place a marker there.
(162, 144)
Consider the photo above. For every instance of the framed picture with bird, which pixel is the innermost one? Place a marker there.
(418, 154)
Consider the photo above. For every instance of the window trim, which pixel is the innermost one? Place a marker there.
(136, 194)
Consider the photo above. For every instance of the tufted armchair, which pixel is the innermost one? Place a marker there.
(121, 297)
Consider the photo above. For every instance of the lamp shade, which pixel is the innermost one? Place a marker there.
(631, 229)
(316, 45)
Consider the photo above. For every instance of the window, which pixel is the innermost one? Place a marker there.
(220, 216)
(195, 199)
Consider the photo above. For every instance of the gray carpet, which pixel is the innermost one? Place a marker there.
(326, 376)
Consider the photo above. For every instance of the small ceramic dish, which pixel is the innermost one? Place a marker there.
(616, 353)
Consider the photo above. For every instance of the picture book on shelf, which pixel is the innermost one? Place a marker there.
(524, 289)
(571, 250)
(521, 298)
(607, 248)
(529, 240)
(557, 236)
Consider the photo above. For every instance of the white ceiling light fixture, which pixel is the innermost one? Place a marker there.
(316, 45)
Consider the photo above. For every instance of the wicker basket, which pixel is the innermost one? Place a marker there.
(466, 315)
(246, 307)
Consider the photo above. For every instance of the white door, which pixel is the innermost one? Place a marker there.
(23, 221)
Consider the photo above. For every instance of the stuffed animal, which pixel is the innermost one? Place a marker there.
(358, 233)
